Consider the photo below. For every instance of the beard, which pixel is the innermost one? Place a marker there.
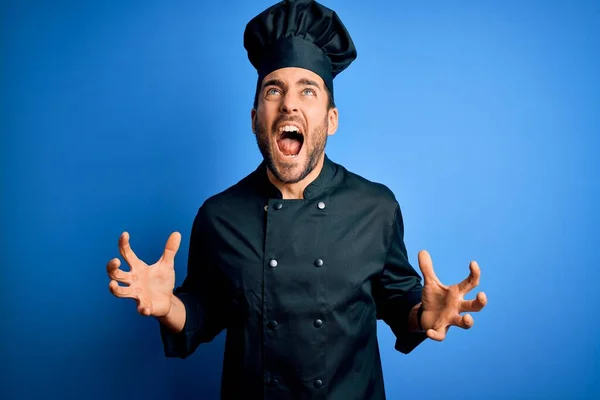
(286, 172)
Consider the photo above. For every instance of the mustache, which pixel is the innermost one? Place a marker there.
(281, 120)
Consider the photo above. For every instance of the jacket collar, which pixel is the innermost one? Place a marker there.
(324, 181)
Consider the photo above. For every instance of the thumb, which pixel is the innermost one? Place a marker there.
(426, 266)
(171, 247)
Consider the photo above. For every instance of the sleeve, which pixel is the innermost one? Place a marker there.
(203, 293)
(399, 289)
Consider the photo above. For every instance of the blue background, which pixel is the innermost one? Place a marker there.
(482, 116)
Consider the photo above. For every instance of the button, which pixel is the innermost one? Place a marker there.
(318, 323)
(272, 324)
(273, 263)
(318, 383)
(321, 205)
(272, 382)
(278, 206)
(318, 262)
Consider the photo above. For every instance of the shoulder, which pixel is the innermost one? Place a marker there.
(366, 189)
(362, 196)
(237, 197)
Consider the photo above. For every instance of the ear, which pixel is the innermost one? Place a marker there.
(253, 120)
(332, 121)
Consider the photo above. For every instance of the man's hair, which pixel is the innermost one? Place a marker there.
(330, 105)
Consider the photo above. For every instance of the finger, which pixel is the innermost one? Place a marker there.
(144, 308)
(463, 321)
(117, 274)
(438, 331)
(121, 291)
(113, 265)
(171, 247)
(435, 335)
(474, 305)
(472, 280)
(145, 311)
(125, 249)
(426, 266)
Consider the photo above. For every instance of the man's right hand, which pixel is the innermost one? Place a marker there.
(151, 286)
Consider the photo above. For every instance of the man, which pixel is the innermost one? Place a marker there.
(299, 259)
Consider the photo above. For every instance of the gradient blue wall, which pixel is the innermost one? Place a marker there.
(482, 117)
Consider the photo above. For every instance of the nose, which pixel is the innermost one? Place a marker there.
(289, 103)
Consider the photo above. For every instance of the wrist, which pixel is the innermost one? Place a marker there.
(171, 316)
(414, 319)
(419, 317)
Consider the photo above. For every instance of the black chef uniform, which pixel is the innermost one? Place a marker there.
(298, 284)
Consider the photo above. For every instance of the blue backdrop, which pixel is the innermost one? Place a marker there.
(482, 116)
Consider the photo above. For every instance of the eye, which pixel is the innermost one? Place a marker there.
(272, 91)
(309, 92)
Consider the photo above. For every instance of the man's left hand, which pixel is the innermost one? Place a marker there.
(443, 305)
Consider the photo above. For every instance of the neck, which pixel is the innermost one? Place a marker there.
(295, 191)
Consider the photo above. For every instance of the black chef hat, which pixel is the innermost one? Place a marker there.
(299, 33)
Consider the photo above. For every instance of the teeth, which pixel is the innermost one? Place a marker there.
(290, 128)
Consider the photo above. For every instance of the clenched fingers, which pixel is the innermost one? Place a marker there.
(117, 274)
(463, 321)
(438, 333)
(144, 304)
(144, 309)
(474, 305)
(472, 280)
(121, 291)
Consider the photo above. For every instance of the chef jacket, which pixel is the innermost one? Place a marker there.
(299, 286)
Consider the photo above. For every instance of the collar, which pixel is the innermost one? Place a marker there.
(325, 180)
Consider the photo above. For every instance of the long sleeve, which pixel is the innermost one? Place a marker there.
(203, 293)
(399, 289)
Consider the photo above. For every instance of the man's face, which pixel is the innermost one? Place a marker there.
(292, 122)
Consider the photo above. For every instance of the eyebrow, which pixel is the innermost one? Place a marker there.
(308, 82)
(273, 82)
(280, 83)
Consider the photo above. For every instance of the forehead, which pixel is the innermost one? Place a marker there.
(294, 75)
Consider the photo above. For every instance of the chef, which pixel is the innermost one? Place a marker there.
(299, 259)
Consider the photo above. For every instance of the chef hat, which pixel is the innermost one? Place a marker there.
(299, 33)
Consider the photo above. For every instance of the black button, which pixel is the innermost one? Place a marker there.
(321, 205)
(278, 206)
(318, 323)
(273, 263)
(272, 324)
(318, 383)
(318, 262)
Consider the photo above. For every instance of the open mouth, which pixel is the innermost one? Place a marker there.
(290, 140)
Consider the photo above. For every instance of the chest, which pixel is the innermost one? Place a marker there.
(300, 251)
